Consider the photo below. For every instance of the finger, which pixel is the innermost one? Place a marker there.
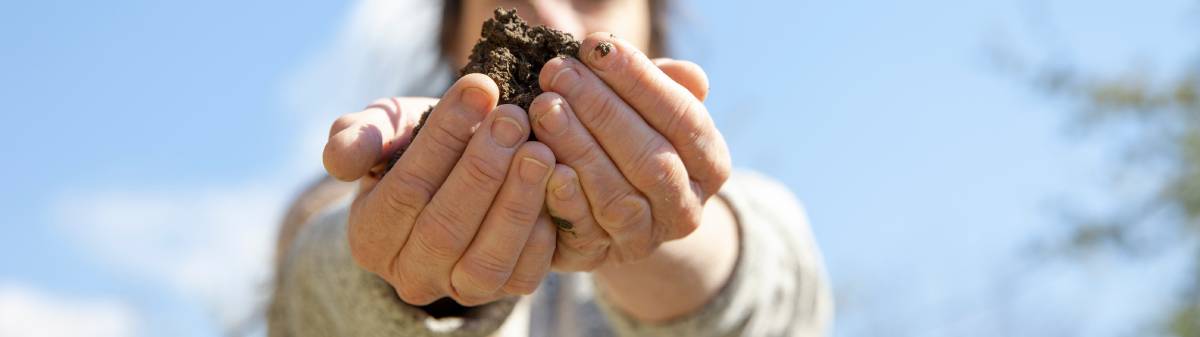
(687, 74)
(582, 245)
(619, 208)
(382, 217)
(488, 262)
(447, 225)
(644, 157)
(666, 105)
(534, 262)
(360, 140)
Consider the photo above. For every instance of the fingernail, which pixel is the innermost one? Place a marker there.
(603, 54)
(554, 120)
(566, 190)
(533, 171)
(507, 132)
(475, 99)
(564, 79)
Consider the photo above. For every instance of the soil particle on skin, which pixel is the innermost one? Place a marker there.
(563, 225)
(512, 54)
(604, 48)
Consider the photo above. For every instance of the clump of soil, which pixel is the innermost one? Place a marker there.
(604, 47)
(512, 54)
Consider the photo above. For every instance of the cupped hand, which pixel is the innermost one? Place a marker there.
(639, 153)
(461, 213)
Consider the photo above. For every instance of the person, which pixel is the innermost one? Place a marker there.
(623, 218)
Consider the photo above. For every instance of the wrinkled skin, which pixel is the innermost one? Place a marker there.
(626, 152)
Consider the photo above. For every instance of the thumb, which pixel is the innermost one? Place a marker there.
(358, 141)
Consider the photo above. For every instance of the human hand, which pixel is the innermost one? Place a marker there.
(461, 212)
(640, 153)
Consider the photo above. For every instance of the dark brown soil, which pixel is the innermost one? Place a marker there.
(604, 47)
(512, 54)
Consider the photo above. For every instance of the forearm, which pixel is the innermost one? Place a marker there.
(681, 276)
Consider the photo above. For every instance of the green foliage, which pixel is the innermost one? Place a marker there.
(1158, 125)
(1157, 120)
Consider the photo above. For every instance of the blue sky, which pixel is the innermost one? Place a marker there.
(150, 148)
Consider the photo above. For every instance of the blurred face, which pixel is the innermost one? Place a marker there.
(629, 19)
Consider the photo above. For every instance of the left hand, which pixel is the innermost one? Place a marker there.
(639, 153)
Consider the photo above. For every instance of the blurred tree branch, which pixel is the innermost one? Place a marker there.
(1156, 121)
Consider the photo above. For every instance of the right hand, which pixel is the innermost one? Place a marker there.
(461, 213)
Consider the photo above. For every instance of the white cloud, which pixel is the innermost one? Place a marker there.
(211, 245)
(29, 312)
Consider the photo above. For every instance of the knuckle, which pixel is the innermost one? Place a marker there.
(442, 136)
(713, 171)
(417, 182)
(472, 300)
(601, 112)
(414, 294)
(677, 216)
(522, 284)
(721, 171)
(445, 223)
(588, 245)
(684, 116)
(438, 240)
(514, 212)
(654, 169)
(579, 149)
(622, 212)
(438, 249)
(640, 85)
(480, 173)
(486, 270)
(406, 204)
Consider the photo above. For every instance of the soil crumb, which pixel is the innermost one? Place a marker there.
(604, 48)
(512, 53)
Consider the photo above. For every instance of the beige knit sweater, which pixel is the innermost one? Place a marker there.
(778, 287)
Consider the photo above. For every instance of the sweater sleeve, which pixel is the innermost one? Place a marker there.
(778, 286)
(322, 292)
